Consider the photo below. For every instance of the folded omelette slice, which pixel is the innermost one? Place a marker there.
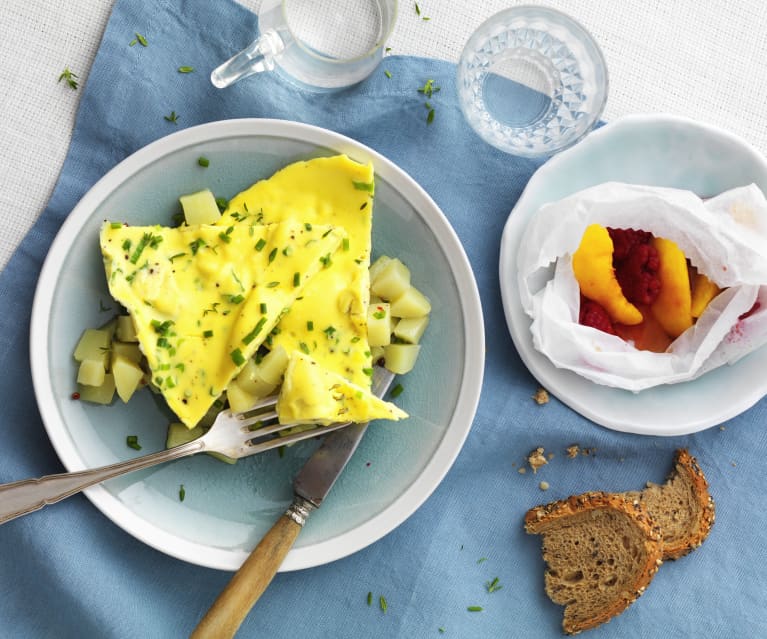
(312, 394)
(204, 298)
(329, 190)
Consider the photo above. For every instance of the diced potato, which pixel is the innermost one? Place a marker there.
(412, 303)
(391, 281)
(379, 324)
(376, 353)
(127, 376)
(376, 266)
(128, 350)
(400, 358)
(125, 330)
(94, 345)
(179, 434)
(91, 372)
(273, 365)
(240, 400)
(410, 329)
(200, 208)
(98, 394)
(251, 382)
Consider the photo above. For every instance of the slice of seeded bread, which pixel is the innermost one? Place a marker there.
(601, 552)
(682, 506)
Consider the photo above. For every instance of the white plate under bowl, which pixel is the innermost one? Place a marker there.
(227, 509)
(657, 150)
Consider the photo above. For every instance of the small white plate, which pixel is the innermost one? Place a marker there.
(657, 150)
(227, 509)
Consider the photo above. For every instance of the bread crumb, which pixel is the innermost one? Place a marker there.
(588, 451)
(572, 451)
(544, 485)
(541, 396)
(522, 470)
(722, 428)
(536, 459)
(550, 456)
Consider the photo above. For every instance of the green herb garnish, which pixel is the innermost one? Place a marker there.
(185, 69)
(397, 390)
(237, 357)
(207, 333)
(272, 284)
(474, 608)
(382, 603)
(196, 245)
(296, 279)
(260, 244)
(173, 117)
(256, 330)
(387, 73)
(181, 492)
(272, 255)
(492, 586)
(364, 186)
(132, 442)
(205, 162)
(71, 78)
(370, 598)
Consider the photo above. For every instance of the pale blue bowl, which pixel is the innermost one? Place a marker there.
(227, 509)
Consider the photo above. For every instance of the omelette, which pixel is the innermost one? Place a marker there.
(329, 322)
(203, 298)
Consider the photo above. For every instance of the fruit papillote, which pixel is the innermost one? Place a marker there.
(638, 286)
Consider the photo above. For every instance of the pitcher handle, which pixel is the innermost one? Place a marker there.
(257, 57)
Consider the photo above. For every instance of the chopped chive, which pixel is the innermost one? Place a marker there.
(382, 603)
(260, 244)
(222, 203)
(196, 245)
(203, 161)
(207, 333)
(387, 73)
(224, 237)
(304, 347)
(185, 69)
(474, 608)
(287, 251)
(364, 186)
(310, 325)
(132, 442)
(363, 205)
(237, 357)
(370, 598)
(296, 279)
(173, 257)
(272, 255)
(430, 116)
(181, 492)
(368, 371)
(272, 284)
(173, 117)
(126, 245)
(236, 299)
(256, 330)
(116, 225)
(141, 40)
(326, 260)
(345, 244)
(307, 226)
(397, 390)
(262, 307)
(481, 560)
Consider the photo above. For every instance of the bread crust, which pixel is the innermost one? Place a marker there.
(541, 518)
(686, 466)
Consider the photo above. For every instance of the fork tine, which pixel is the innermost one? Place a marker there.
(276, 442)
(263, 417)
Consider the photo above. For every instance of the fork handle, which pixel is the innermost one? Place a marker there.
(26, 496)
(248, 584)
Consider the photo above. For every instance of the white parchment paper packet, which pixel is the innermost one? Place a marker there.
(724, 237)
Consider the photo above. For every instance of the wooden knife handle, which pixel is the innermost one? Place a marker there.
(248, 584)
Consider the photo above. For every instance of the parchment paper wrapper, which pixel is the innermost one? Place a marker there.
(724, 237)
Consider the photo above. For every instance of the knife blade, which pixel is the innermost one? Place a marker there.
(310, 488)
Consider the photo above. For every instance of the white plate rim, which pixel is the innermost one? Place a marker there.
(556, 380)
(455, 433)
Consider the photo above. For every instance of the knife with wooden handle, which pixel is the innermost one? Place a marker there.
(310, 487)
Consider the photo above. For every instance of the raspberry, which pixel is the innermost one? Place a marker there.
(636, 265)
(625, 239)
(638, 274)
(593, 314)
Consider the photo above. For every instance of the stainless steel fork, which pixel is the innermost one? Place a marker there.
(235, 435)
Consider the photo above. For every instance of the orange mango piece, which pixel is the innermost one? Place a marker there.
(593, 268)
(647, 336)
(673, 306)
(703, 291)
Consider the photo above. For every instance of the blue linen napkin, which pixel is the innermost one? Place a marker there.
(69, 572)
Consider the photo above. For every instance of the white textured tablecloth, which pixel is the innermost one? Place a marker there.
(702, 59)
